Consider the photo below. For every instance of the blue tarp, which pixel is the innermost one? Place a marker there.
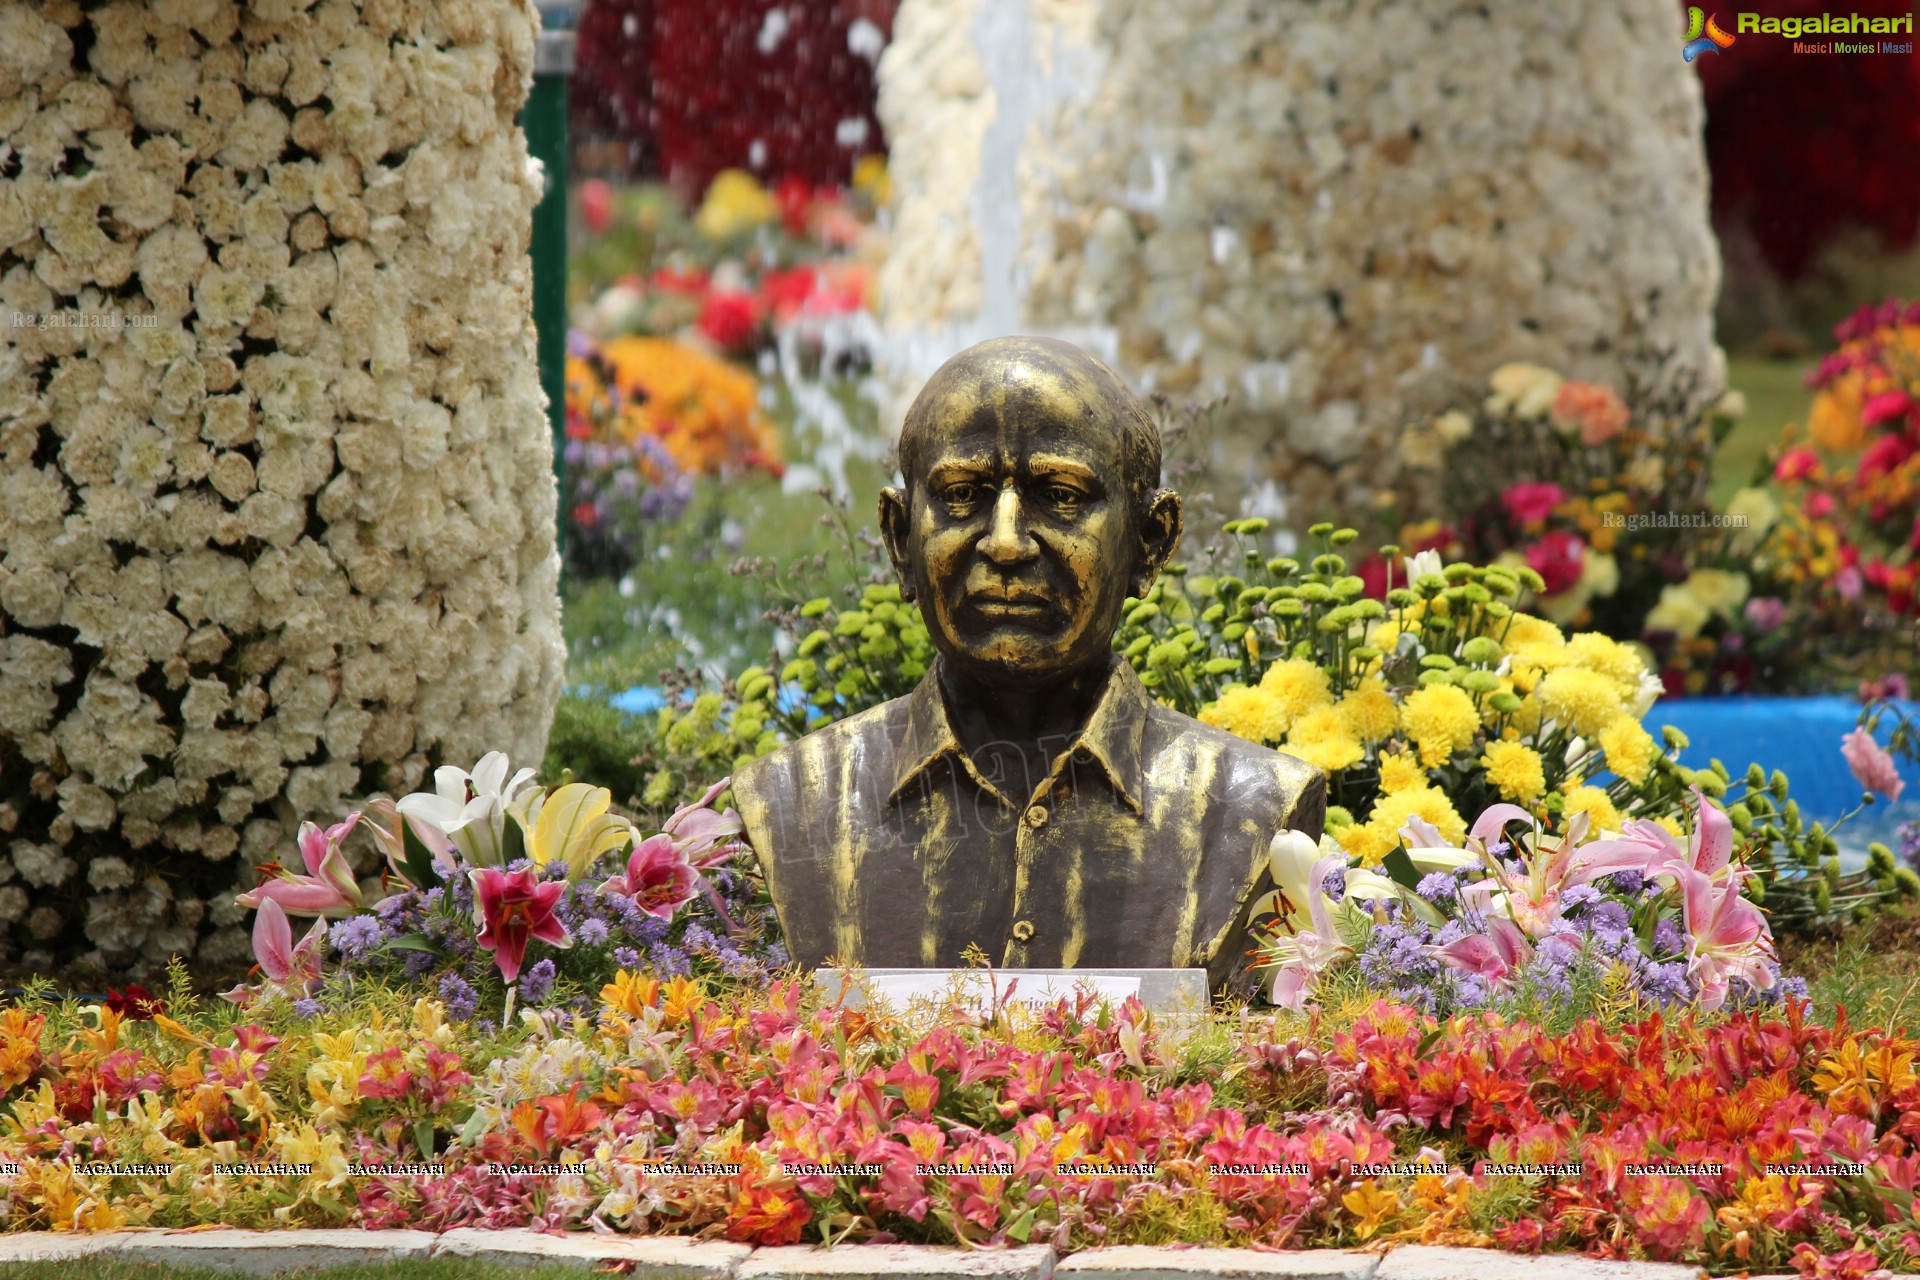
(1800, 737)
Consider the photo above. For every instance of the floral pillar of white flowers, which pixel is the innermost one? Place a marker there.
(1342, 215)
(276, 492)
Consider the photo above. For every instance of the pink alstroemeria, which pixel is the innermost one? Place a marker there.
(512, 907)
(329, 887)
(705, 837)
(290, 969)
(1727, 937)
(1308, 953)
(659, 878)
(1872, 767)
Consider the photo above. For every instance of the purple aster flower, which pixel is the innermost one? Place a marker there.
(1630, 883)
(462, 1000)
(356, 936)
(626, 957)
(536, 984)
(591, 932)
(1438, 887)
(308, 1007)
(1335, 884)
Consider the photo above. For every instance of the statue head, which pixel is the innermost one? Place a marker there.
(1030, 509)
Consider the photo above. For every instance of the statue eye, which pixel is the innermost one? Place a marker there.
(1063, 495)
(960, 495)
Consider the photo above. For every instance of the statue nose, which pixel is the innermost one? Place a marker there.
(1007, 540)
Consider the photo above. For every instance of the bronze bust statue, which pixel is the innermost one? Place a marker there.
(1028, 796)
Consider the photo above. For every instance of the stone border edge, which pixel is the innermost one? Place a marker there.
(680, 1258)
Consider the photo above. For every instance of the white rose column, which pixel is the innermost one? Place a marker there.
(276, 501)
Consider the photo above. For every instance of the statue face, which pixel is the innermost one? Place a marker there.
(1019, 536)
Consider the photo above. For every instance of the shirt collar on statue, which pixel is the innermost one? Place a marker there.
(1113, 737)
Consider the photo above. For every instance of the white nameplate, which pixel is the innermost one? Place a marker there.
(976, 992)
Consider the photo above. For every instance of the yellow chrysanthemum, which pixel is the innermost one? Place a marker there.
(1364, 842)
(1441, 719)
(1528, 720)
(1369, 711)
(1584, 700)
(1515, 770)
(1400, 770)
(1629, 749)
(1671, 823)
(1524, 631)
(1321, 738)
(1597, 652)
(1253, 714)
(1597, 805)
(1390, 813)
(1298, 686)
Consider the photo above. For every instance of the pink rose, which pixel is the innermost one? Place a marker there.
(1533, 501)
(1885, 407)
(1766, 612)
(1872, 767)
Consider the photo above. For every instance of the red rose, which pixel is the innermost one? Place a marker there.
(731, 321)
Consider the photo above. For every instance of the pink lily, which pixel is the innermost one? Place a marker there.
(1727, 937)
(385, 822)
(1308, 953)
(658, 877)
(1532, 896)
(698, 829)
(290, 969)
(1494, 955)
(1709, 848)
(512, 907)
(329, 887)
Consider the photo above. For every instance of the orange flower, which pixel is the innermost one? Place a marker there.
(767, 1216)
(1836, 423)
(19, 1045)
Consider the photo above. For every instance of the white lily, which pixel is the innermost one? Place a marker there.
(1292, 856)
(471, 808)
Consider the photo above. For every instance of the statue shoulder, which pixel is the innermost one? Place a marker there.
(781, 776)
(1260, 774)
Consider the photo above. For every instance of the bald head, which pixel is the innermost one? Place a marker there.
(1037, 380)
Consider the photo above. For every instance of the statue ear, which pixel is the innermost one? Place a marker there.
(1159, 537)
(894, 532)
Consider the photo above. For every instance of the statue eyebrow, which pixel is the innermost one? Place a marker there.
(960, 469)
(1047, 464)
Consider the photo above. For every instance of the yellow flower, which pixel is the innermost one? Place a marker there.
(1441, 719)
(1629, 749)
(1298, 686)
(1515, 770)
(630, 993)
(1598, 807)
(1525, 389)
(1717, 589)
(870, 177)
(1253, 714)
(1597, 652)
(1399, 770)
(1524, 631)
(1321, 739)
(1363, 842)
(1390, 813)
(1584, 700)
(1679, 611)
(572, 826)
(1371, 1206)
(1453, 426)
(1835, 422)
(1369, 711)
(735, 202)
(1671, 825)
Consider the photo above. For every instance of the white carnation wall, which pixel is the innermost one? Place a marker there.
(276, 481)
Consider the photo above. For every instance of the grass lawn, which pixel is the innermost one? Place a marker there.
(1871, 968)
(423, 1269)
(1777, 394)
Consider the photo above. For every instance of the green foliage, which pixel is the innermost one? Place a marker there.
(849, 659)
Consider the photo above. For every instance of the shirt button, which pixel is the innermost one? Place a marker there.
(1023, 931)
(1037, 816)
(1083, 756)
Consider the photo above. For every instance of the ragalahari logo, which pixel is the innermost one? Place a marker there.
(1714, 39)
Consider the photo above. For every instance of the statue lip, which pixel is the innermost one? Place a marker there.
(1008, 606)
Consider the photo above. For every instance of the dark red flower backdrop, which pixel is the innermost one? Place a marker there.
(777, 87)
(1801, 145)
